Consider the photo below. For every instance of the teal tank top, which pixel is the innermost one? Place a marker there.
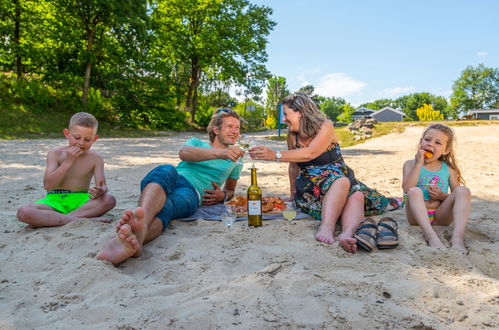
(439, 179)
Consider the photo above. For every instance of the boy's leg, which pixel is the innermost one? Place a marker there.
(41, 215)
(95, 207)
(418, 214)
(332, 207)
(456, 207)
(143, 224)
(351, 217)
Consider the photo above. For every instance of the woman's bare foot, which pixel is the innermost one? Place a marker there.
(325, 234)
(121, 247)
(458, 244)
(347, 242)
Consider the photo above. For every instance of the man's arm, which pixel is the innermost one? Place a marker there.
(199, 154)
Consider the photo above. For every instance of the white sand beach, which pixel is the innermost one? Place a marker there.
(198, 275)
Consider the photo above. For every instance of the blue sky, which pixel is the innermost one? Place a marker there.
(363, 50)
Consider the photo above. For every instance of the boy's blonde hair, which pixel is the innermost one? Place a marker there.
(83, 119)
(217, 119)
(311, 117)
(450, 158)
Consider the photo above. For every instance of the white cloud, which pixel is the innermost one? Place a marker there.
(396, 91)
(338, 85)
(482, 54)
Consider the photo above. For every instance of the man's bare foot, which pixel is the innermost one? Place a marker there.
(347, 242)
(136, 221)
(325, 234)
(458, 244)
(121, 247)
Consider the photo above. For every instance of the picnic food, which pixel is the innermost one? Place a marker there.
(269, 204)
(428, 154)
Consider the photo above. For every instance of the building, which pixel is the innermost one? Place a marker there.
(362, 112)
(388, 114)
(483, 114)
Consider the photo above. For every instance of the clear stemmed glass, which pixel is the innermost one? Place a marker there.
(245, 143)
(289, 213)
(229, 215)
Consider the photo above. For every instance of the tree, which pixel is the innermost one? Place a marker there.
(379, 104)
(277, 90)
(427, 113)
(332, 106)
(476, 88)
(410, 103)
(222, 38)
(346, 115)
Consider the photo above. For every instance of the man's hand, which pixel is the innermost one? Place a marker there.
(213, 196)
(233, 153)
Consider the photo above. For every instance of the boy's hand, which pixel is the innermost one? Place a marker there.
(73, 153)
(213, 196)
(97, 191)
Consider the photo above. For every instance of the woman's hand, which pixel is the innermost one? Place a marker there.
(262, 153)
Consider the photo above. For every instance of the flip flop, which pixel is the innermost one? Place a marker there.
(366, 234)
(387, 237)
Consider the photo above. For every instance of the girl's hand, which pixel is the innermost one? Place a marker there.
(436, 193)
(419, 157)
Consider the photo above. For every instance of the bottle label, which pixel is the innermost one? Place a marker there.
(254, 207)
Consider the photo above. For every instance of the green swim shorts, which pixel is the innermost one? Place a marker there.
(64, 201)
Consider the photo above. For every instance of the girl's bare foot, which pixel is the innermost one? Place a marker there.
(435, 242)
(121, 247)
(458, 244)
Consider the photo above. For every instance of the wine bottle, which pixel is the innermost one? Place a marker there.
(254, 202)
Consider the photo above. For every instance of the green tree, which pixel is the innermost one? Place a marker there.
(277, 90)
(332, 107)
(346, 115)
(476, 88)
(378, 104)
(222, 38)
(427, 113)
(410, 103)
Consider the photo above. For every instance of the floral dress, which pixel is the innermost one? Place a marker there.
(317, 175)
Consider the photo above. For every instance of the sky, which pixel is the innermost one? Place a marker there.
(364, 50)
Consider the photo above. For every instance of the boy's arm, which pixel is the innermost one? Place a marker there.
(55, 172)
(199, 154)
(100, 187)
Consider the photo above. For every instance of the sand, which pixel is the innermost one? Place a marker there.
(198, 275)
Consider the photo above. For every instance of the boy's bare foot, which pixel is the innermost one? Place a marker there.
(120, 248)
(458, 244)
(347, 242)
(325, 234)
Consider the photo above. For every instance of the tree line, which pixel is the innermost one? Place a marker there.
(163, 63)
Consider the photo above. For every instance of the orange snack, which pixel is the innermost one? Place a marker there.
(428, 154)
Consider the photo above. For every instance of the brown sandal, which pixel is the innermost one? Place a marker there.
(366, 234)
(387, 237)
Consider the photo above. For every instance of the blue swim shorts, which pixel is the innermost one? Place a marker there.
(182, 199)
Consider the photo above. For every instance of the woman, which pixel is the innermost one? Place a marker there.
(321, 184)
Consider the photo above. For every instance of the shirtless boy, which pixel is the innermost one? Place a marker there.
(67, 180)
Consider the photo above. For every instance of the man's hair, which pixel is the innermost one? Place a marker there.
(83, 119)
(217, 119)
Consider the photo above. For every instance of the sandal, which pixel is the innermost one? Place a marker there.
(366, 234)
(387, 237)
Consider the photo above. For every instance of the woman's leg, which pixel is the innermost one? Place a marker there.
(456, 207)
(351, 217)
(332, 207)
(417, 214)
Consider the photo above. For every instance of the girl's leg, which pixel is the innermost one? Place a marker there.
(456, 207)
(332, 207)
(351, 217)
(417, 214)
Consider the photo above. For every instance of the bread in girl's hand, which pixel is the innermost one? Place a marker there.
(428, 154)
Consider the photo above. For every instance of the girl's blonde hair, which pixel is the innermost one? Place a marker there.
(450, 158)
(311, 117)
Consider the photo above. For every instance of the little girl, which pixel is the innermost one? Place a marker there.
(426, 180)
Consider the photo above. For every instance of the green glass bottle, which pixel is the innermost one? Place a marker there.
(254, 202)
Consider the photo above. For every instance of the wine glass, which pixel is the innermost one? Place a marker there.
(245, 143)
(229, 215)
(289, 213)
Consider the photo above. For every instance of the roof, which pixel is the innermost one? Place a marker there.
(363, 110)
(474, 111)
(389, 109)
